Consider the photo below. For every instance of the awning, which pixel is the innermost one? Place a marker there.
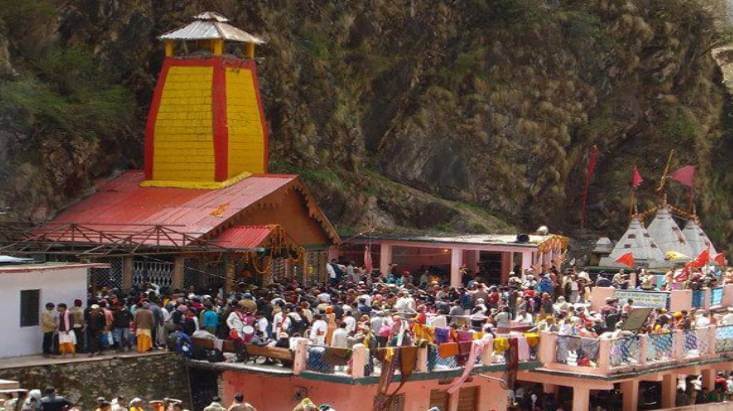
(254, 237)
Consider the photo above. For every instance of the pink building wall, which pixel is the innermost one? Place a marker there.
(278, 393)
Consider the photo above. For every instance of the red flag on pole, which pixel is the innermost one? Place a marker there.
(627, 260)
(702, 259)
(368, 265)
(636, 178)
(684, 176)
(720, 259)
(589, 172)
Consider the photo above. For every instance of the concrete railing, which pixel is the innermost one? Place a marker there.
(677, 300)
(636, 352)
(363, 362)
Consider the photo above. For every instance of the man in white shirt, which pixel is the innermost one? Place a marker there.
(350, 322)
(340, 337)
(405, 303)
(318, 330)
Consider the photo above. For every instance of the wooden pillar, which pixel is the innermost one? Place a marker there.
(128, 269)
(385, 257)
(456, 261)
(581, 398)
(229, 273)
(669, 390)
(506, 266)
(217, 47)
(630, 391)
(178, 272)
(249, 50)
(169, 48)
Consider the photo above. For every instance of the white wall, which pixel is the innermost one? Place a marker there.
(60, 285)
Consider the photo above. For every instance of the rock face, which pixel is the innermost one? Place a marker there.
(151, 378)
(402, 115)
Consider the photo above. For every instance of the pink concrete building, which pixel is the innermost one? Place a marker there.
(494, 254)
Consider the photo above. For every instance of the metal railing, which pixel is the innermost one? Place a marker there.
(625, 351)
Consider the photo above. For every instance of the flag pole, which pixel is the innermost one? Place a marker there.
(666, 171)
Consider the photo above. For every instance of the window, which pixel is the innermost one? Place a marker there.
(30, 301)
(398, 403)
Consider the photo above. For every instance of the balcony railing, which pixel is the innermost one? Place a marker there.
(634, 352)
(359, 361)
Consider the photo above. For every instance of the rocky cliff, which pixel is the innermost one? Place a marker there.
(468, 115)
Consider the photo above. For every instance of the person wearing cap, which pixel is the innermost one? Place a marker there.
(96, 325)
(77, 315)
(48, 327)
(136, 404)
(215, 405)
(143, 327)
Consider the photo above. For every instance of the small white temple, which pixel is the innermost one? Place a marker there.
(640, 243)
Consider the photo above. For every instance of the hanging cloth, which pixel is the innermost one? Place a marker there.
(477, 348)
(448, 350)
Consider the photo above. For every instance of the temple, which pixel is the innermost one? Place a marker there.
(204, 211)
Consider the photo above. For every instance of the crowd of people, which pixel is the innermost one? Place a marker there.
(50, 400)
(355, 307)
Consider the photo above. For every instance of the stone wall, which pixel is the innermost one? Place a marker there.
(149, 377)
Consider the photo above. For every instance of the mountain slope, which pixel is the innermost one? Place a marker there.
(402, 115)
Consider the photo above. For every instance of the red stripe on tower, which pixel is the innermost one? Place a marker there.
(152, 117)
(219, 118)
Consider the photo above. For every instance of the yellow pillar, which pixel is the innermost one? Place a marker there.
(217, 47)
(249, 50)
(169, 48)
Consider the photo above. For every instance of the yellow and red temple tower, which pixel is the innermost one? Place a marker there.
(205, 194)
(206, 127)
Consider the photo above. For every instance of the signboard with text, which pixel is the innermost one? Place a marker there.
(650, 299)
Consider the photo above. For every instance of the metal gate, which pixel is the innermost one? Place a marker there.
(106, 277)
(157, 272)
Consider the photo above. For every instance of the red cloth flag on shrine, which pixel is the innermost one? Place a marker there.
(720, 259)
(684, 176)
(627, 260)
(702, 259)
(683, 275)
(368, 265)
(636, 178)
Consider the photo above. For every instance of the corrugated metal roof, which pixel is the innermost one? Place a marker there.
(210, 30)
(483, 239)
(121, 205)
(243, 237)
(211, 15)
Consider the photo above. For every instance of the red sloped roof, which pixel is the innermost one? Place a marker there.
(123, 206)
(243, 237)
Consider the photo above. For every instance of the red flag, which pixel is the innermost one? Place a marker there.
(683, 275)
(368, 265)
(702, 259)
(636, 178)
(720, 259)
(627, 260)
(684, 176)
